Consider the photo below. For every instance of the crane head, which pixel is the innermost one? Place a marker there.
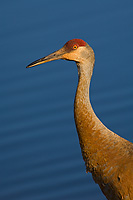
(75, 50)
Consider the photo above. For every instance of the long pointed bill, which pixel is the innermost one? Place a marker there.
(53, 56)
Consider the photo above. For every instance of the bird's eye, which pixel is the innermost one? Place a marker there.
(75, 46)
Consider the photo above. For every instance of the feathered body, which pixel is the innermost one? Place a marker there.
(107, 156)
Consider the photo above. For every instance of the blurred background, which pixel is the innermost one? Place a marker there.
(40, 156)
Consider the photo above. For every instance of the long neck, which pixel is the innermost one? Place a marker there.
(96, 140)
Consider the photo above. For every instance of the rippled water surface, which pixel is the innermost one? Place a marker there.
(40, 157)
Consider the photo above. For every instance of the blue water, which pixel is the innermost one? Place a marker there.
(40, 156)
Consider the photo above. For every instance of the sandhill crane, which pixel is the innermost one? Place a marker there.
(107, 156)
